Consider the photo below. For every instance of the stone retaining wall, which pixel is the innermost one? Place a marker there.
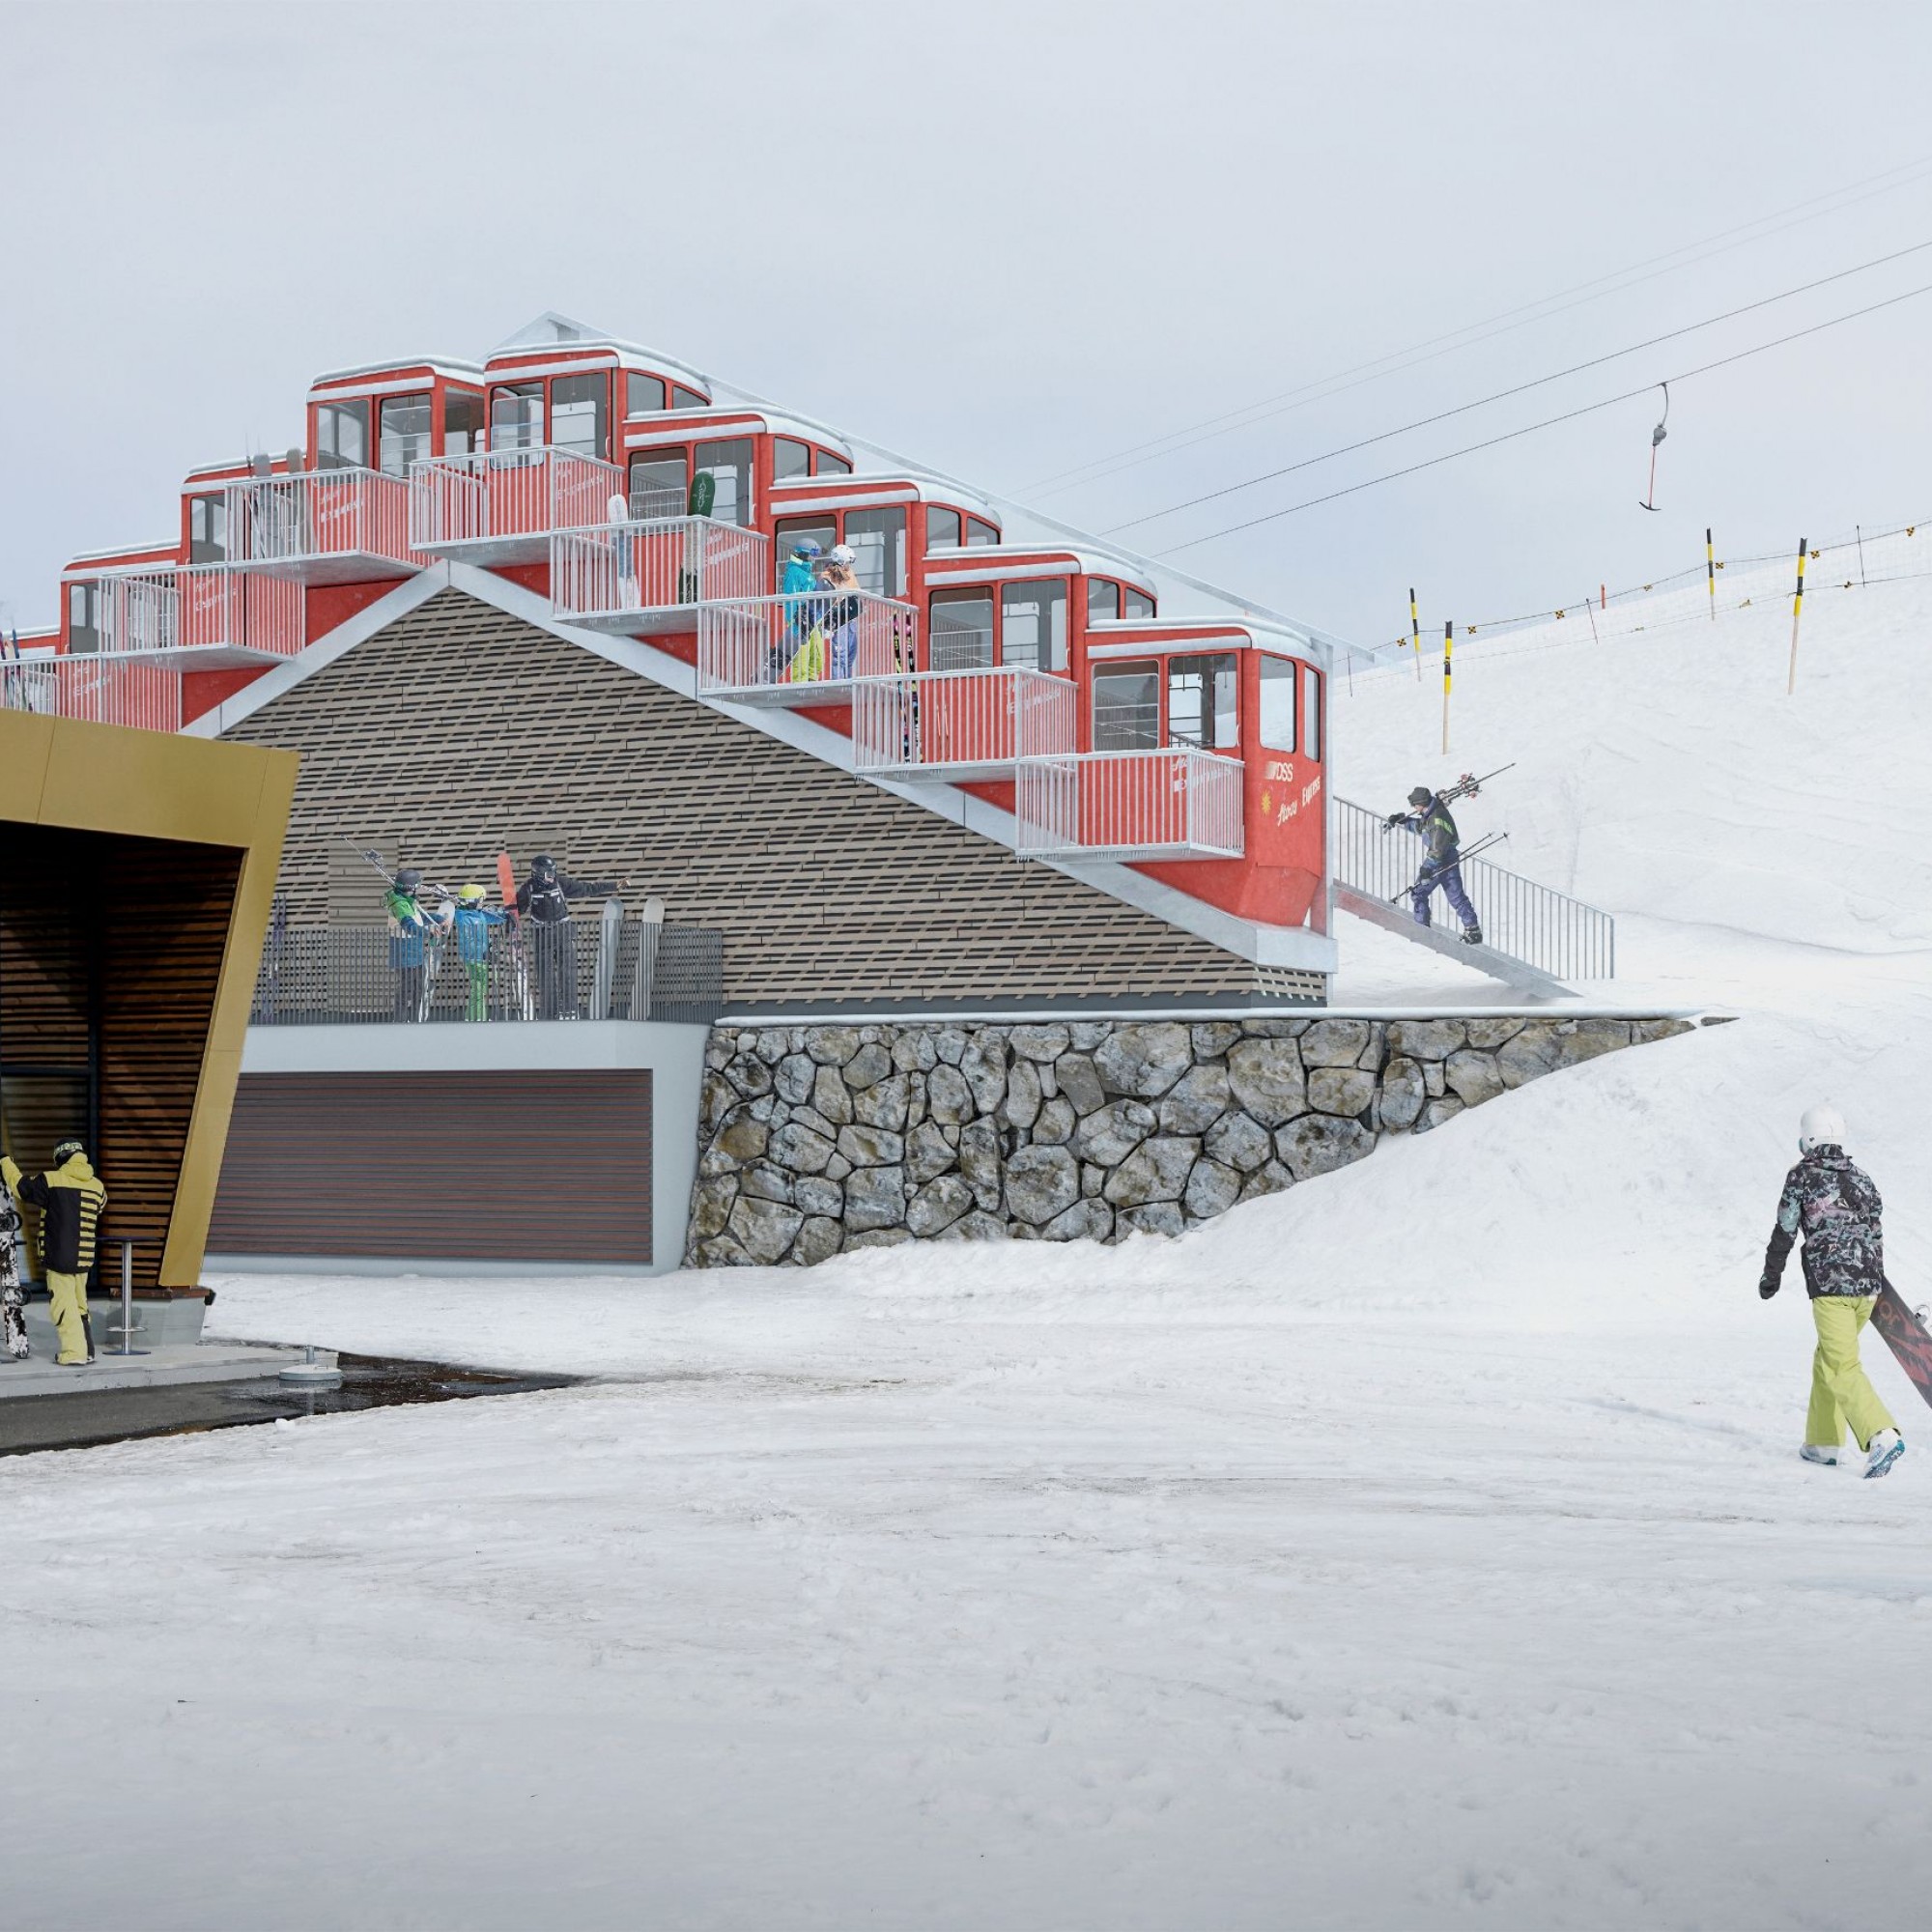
(815, 1139)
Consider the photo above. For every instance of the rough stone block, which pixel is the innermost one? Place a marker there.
(793, 1076)
(766, 1183)
(711, 1207)
(1087, 1035)
(1319, 1144)
(867, 1067)
(1644, 1032)
(1588, 1040)
(1112, 1134)
(1144, 1060)
(832, 1097)
(983, 1065)
(832, 1045)
(811, 1118)
(871, 1147)
(913, 1051)
(715, 1099)
(1021, 1106)
(883, 1104)
(742, 1137)
(770, 1045)
(1211, 1190)
(801, 1149)
(974, 1226)
(837, 1168)
(1212, 1039)
(874, 1198)
(1237, 1142)
(814, 1194)
(721, 1252)
(877, 1238)
(980, 1161)
(1433, 1082)
(950, 1044)
(938, 1205)
(1039, 1042)
(1042, 1182)
(1427, 1040)
(1529, 1055)
(1340, 1089)
(1472, 1076)
(928, 1153)
(948, 1095)
(1156, 1170)
(1150, 1217)
(1270, 1179)
(764, 1229)
(1275, 1029)
(1334, 1042)
(818, 1240)
(1487, 1035)
(1092, 1180)
(1402, 1094)
(1082, 1221)
(1267, 1079)
(749, 1076)
(1078, 1081)
(1195, 1102)
(1437, 1112)
(1055, 1123)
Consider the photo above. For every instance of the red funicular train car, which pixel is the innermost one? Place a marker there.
(1039, 677)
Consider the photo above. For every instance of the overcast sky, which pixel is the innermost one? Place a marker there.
(1009, 240)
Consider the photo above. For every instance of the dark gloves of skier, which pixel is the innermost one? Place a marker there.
(1768, 1285)
(1395, 818)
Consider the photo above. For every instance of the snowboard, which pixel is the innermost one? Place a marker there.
(1906, 1336)
(520, 959)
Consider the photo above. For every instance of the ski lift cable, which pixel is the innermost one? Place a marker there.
(1501, 323)
(1518, 390)
(1551, 422)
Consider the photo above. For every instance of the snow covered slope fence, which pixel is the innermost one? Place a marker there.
(819, 1139)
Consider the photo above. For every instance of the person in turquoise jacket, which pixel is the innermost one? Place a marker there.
(473, 922)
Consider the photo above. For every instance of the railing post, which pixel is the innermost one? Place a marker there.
(128, 1347)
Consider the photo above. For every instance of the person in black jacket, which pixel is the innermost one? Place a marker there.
(70, 1199)
(1428, 818)
(544, 899)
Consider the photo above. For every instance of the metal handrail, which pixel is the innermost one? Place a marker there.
(1177, 801)
(490, 495)
(1544, 929)
(310, 513)
(655, 564)
(956, 720)
(806, 642)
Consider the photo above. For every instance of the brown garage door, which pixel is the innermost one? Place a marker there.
(517, 1166)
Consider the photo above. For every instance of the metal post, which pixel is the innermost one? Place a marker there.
(1797, 610)
(128, 1347)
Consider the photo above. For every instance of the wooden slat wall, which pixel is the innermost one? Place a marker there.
(150, 918)
(465, 732)
(512, 1166)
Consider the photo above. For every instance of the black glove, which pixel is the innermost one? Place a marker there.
(1394, 819)
(1768, 1286)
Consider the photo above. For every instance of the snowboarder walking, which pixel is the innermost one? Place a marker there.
(70, 1199)
(1838, 1208)
(544, 899)
(1442, 860)
(13, 1298)
(472, 922)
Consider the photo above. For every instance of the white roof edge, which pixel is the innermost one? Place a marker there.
(1085, 555)
(628, 354)
(442, 365)
(779, 422)
(82, 558)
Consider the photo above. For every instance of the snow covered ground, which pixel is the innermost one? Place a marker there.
(1425, 1546)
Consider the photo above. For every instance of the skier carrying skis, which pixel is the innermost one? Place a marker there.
(12, 1300)
(1442, 860)
(70, 1199)
(412, 926)
(473, 922)
(544, 899)
(1839, 1209)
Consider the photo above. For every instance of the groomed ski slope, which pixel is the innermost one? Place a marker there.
(1426, 1547)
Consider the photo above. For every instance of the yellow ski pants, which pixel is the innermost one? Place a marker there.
(1840, 1393)
(69, 1313)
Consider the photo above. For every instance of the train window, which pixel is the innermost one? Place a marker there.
(517, 417)
(462, 422)
(1137, 602)
(1103, 600)
(644, 395)
(657, 485)
(879, 538)
(1276, 724)
(83, 616)
(730, 465)
(207, 530)
(790, 530)
(1201, 705)
(1311, 711)
(942, 527)
(1126, 708)
(402, 432)
(961, 630)
(979, 532)
(580, 411)
(342, 435)
(831, 464)
(1033, 624)
(682, 398)
(790, 457)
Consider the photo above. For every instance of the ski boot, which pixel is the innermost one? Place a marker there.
(1472, 935)
(1887, 1447)
(1813, 1452)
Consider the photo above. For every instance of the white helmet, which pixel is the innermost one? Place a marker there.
(1823, 1125)
(843, 553)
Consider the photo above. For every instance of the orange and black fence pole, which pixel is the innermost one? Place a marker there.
(1797, 610)
(1711, 572)
(1416, 633)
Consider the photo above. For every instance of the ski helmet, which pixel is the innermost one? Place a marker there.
(843, 553)
(473, 895)
(543, 866)
(66, 1151)
(409, 881)
(1422, 795)
(1823, 1125)
(806, 547)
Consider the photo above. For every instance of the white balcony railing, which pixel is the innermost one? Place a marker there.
(1173, 804)
(962, 724)
(806, 648)
(647, 576)
(102, 690)
(501, 506)
(320, 525)
(200, 616)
